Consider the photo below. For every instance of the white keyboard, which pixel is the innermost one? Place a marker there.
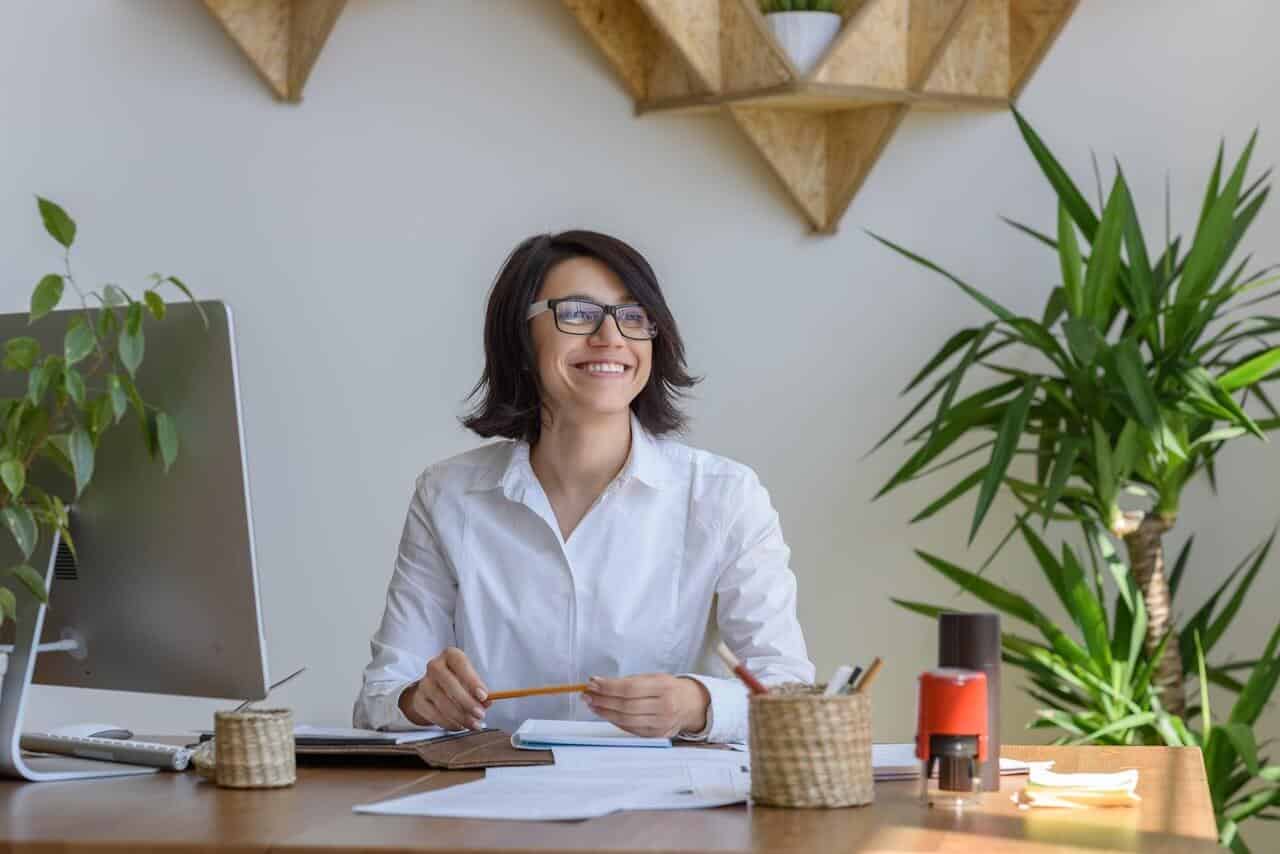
(151, 754)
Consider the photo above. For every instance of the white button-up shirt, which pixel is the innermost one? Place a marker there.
(482, 566)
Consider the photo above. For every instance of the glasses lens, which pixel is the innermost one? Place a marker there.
(634, 322)
(578, 317)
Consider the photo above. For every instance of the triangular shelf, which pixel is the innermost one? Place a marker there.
(282, 38)
(821, 132)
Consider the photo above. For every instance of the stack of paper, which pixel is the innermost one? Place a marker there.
(339, 736)
(536, 734)
(1074, 791)
(587, 782)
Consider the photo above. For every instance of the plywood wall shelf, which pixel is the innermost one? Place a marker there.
(282, 38)
(822, 132)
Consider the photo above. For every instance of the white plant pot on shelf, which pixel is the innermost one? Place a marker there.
(805, 36)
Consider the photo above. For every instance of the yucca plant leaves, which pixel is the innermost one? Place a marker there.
(949, 349)
(1104, 261)
(1070, 262)
(1133, 374)
(1251, 371)
(1068, 195)
(1011, 427)
(986, 302)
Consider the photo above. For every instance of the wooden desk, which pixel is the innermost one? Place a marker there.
(178, 812)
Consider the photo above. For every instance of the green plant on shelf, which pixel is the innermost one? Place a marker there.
(771, 6)
(72, 398)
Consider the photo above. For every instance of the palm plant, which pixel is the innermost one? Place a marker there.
(1098, 689)
(1139, 374)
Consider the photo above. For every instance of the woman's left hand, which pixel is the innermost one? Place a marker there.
(653, 704)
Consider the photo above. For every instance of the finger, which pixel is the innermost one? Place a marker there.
(445, 712)
(640, 706)
(649, 726)
(432, 713)
(460, 667)
(445, 679)
(630, 687)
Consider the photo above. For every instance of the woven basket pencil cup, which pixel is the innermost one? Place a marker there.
(808, 750)
(253, 749)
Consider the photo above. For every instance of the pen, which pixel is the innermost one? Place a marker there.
(838, 680)
(847, 688)
(872, 672)
(576, 688)
(740, 669)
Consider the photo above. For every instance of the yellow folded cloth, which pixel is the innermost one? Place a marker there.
(1076, 791)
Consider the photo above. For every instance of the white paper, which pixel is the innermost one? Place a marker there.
(514, 799)
(617, 757)
(535, 734)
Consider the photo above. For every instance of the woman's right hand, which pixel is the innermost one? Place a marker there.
(450, 694)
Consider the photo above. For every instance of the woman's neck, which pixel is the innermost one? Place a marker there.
(577, 459)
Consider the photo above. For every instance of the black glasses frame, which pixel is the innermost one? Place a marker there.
(550, 305)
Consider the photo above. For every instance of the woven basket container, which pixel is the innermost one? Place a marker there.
(254, 749)
(810, 751)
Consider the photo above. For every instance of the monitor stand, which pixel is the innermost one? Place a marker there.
(14, 690)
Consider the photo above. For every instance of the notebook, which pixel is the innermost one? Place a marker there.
(535, 734)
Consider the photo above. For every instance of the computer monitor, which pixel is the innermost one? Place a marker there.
(164, 594)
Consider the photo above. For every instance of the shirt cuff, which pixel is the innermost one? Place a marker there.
(727, 712)
(381, 711)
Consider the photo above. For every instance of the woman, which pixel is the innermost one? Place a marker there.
(589, 546)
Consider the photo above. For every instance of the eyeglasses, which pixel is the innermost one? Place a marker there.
(583, 317)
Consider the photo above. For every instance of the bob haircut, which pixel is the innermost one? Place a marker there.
(510, 389)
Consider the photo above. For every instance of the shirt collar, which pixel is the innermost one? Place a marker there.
(646, 463)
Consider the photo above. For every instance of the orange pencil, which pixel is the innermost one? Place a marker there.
(531, 692)
(869, 676)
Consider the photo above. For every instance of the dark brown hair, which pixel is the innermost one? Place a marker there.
(510, 390)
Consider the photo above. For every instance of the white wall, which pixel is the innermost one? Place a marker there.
(356, 236)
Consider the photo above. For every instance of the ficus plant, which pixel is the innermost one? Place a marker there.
(1128, 384)
(73, 397)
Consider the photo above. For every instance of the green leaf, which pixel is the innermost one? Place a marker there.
(1104, 261)
(1142, 285)
(20, 522)
(38, 381)
(119, 400)
(167, 436)
(1180, 566)
(46, 296)
(986, 302)
(1068, 450)
(1106, 485)
(20, 354)
(1069, 260)
(31, 580)
(994, 595)
(8, 605)
(951, 495)
(73, 382)
(1205, 710)
(957, 376)
(1251, 371)
(155, 304)
(1223, 621)
(14, 475)
(132, 344)
(1083, 339)
(1058, 178)
(954, 343)
(1133, 375)
(1015, 420)
(177, 283)
(1242, 740)
(114, 295)
(79, 341)
(81, 452)
(100, 416)
(60, 226)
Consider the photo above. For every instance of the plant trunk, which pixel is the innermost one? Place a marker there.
(1143, 535)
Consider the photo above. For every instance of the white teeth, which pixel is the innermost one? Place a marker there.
(604, 368)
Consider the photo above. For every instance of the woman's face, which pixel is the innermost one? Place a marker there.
(579, 373)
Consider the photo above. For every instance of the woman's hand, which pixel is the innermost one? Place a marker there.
(450, 694)
(654, 704)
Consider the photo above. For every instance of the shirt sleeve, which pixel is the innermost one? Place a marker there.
(417, 623)
(756, 613)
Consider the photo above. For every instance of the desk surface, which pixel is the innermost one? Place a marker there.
(179, 812)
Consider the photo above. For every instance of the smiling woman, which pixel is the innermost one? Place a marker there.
(588, 546)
